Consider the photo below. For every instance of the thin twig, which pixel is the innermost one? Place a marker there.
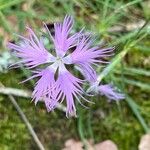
(24, 118)
(29, 126)
(15, 92)
(25, 94)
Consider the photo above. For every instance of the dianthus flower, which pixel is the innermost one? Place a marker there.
(56, 83)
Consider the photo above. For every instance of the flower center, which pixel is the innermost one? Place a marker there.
(59, 59)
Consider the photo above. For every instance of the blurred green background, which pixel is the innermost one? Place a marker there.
(120, 23)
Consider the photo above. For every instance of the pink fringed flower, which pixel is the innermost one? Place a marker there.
(56, 83)
(110, 92)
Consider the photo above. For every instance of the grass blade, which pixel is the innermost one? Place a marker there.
(134, 108)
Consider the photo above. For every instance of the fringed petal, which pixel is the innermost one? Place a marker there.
(86, 56)
(31, 50)
(70, 88)
(110, 92)
(45, 85)
(63, 41)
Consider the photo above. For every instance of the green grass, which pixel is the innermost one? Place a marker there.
(123, 122)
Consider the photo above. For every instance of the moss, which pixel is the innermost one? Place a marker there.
(14, 134)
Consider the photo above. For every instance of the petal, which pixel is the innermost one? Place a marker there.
(88, 72)
(110, 92)
(62, 40)
(85, 53)
(45, 85)
(85, 56)
(69, 87)
(31, 50)
(66, 87)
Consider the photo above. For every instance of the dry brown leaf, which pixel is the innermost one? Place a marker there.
(145, 142)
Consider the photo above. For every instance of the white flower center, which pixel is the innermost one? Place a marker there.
(60, 62)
